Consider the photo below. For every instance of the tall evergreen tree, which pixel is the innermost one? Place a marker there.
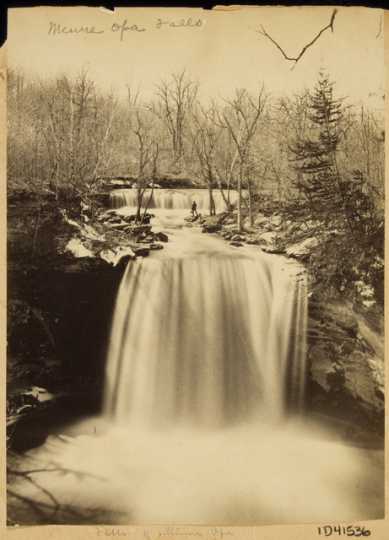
(315, 156)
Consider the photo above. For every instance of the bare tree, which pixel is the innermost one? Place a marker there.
(205, 137)
(241, 118)
(175, 100)
(147, 153)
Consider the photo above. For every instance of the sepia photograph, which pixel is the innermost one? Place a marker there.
(195, 268)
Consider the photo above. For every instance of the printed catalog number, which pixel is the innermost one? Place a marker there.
(350, 530)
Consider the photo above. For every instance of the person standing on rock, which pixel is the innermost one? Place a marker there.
(194, 210)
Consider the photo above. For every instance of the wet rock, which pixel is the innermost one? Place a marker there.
(238, 238)
(156, 246)
(131, 218)
(119, 225)
(274, 249)
(142, 238)
(276, 221)
(141, 251)
(229, 220)
(77, 249)
(137, 230)
(211, 227)
(161, 236)
(259, 220)
(114, 220)
(191, 219)
(252, 241)
(115, 256)
(268, 238)
(236, 244)
(247, 225)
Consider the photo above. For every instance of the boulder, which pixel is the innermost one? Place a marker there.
(259, 220)
(211, 227)
(137, 230)
(114, 256)
(247, 226)
(252, 240)
(276, 221)
(141, 251)
(268, 238)
(119, 226)
(161, 236)
(114, 219)
(190, 219)
(238, 238)
(275, 249)
(156, 246)
(230, 220)
(77, 249)
(129, 218)
(236, 244)
(302, 250)
(142, 238)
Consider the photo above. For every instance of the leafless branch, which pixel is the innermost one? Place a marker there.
(295, 59)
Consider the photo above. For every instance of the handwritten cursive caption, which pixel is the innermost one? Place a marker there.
(123, 27)
(213, 533)
(340, 530)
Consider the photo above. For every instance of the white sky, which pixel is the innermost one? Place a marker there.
(225, 53)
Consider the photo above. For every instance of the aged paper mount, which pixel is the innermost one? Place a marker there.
(118, 32)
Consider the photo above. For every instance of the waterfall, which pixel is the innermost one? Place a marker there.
(206, 340)
(180, 199)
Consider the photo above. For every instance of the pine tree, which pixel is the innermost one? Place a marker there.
(315, 158)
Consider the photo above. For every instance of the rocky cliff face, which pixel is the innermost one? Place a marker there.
(346, 365)
(59, 306)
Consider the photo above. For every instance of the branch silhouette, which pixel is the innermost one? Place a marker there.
(295, 59)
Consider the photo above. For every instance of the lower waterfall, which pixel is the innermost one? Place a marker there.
(208, 340)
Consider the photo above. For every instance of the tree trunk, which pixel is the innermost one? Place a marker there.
(239, 222)
(212, 210)
(251, 218)
(139, 203)
(148, 201)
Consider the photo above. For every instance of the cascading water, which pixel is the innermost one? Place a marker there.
(207, 339)
(172, 199)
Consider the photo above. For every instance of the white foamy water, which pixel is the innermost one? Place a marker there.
(252, 473)
(206, 339)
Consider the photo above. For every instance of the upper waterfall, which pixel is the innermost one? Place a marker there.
(172, 199)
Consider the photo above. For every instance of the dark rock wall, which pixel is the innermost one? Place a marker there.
(59, 308)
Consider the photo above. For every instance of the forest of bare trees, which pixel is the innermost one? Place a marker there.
(316, 156)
